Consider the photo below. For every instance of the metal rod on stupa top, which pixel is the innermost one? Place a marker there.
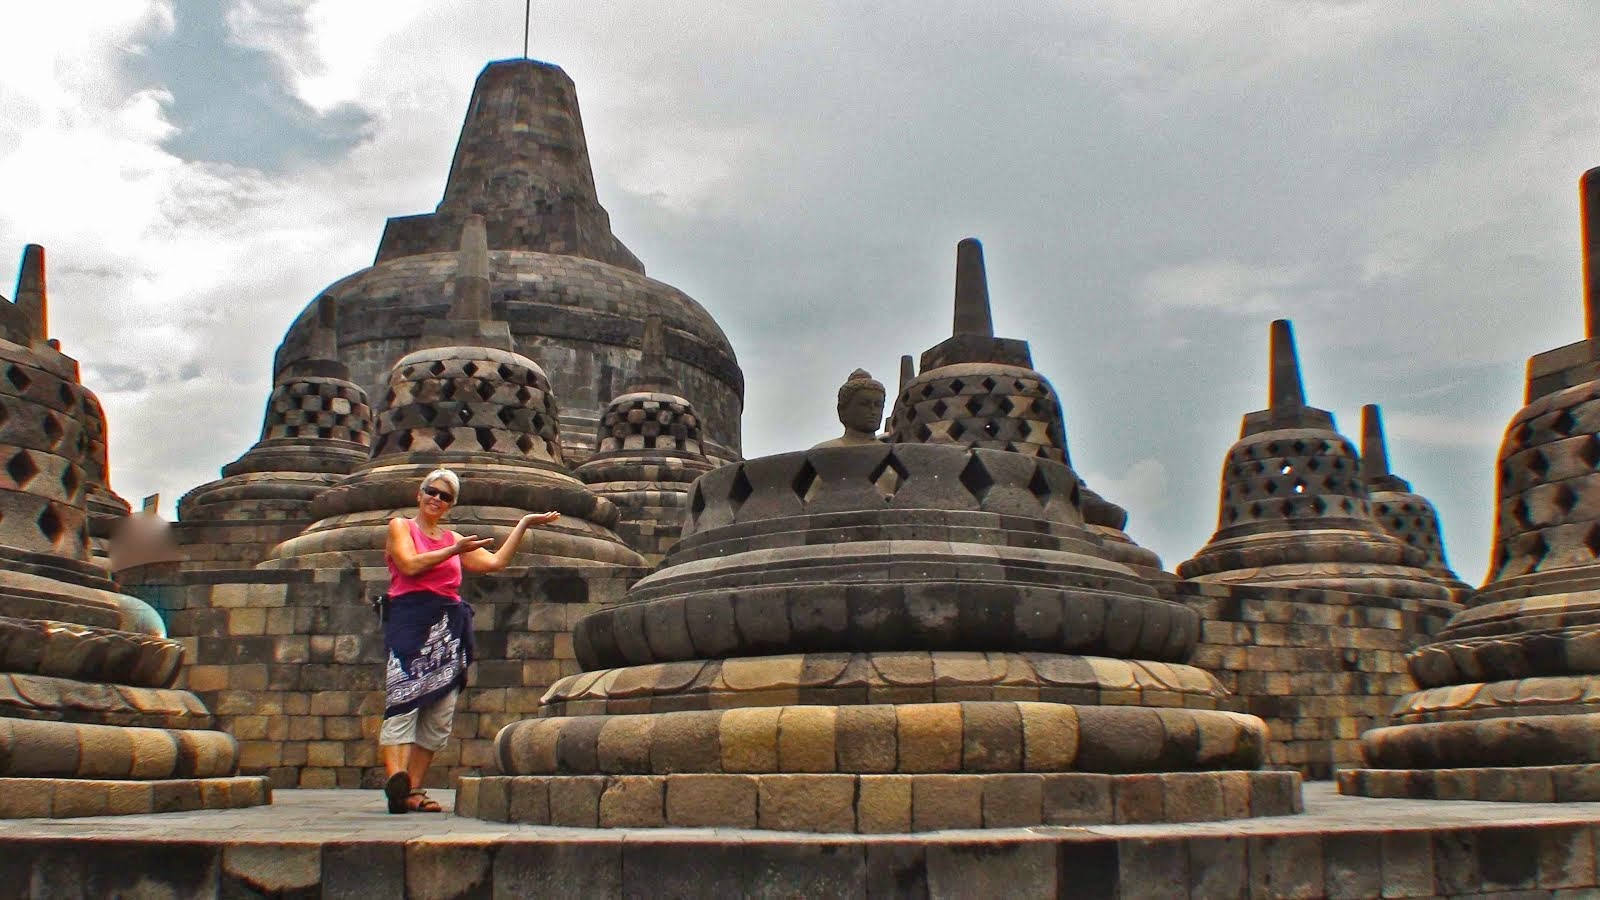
(527, 24)
(1374, 453)
(32, 297)
(972, 291)
(1589, 207)
(1283, 386)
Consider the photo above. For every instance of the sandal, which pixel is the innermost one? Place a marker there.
(419, 801)
(397, 790)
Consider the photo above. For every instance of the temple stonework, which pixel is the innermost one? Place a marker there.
(90, 723)
(1506, 703)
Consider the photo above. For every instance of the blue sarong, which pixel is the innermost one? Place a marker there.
(428, 641)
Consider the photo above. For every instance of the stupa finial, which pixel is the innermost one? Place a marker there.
(653, 366)
(324, 344)
(1374, 452)
(1589, 210)
(32, 298)
(1284, 388)
(908, 371)
(471, 302)
(972, 291)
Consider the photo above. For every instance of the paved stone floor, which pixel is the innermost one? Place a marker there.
(343, 815)
(343, 844)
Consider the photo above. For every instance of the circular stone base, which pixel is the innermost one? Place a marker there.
(1509, 784)
(67, 798)
(876, 804)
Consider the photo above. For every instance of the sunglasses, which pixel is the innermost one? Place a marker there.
(432, 491)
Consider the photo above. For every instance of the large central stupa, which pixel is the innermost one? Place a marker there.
(574, 296)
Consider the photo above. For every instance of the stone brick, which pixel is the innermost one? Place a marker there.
(1139, 798)
(575, 800)
(1013, 801)
(703, 801)
(272, 869)
(528, 801)
(806, 739)
(929, 737)
(634, 801)
(824, 803)
(940, 802)
(1078, 798)
(884, 804)
(1288, 866)
(866, 739)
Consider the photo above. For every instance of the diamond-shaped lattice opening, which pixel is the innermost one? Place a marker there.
(18, 378)
(1272, 449)
(889, 475)
(464, 414)
(987, 383)
(1592, 540)
(976, 479)
(1566, 498)
(1538, 548)
(927, 391)
(21, 468)
(1299, 448)
(506, 372)
(1590, 451)
(1314, 463)
(68, 398)
(447, 391)
(523, 395)
(805, 481)
(525, 443)
(956, 431)
(3, 414)
(506, 414)
(485, 390)
(1272, 487)
(740, 490)
(992, 428)
(470, 368)
(1563, 422)
(437, 368)
(1004, 405)
(1255, 510)
(1039, 486)
(443, 438)
(1539, 463)
(1232, 515)
(924, 432)
(975, 404)
(1076, 497)
(957, 385)
(50, 524)
(1319, 506)
(485, 437)
(1299, 487)
(70, 480)
(939, 408)
(53, 430)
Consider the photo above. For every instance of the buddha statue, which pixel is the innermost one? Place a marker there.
(861, 400)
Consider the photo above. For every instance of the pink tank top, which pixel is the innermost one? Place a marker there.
(443, 579)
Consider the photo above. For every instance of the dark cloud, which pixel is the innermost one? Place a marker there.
(233, 102)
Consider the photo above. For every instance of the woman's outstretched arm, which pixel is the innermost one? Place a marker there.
(481, 561)
(403, 550)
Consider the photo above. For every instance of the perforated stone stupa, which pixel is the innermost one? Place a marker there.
(482, 410)
(892, 637)
(1506, 707)
(1399, 510)
(1295, 511)
(648, 450)
(574, 297)
(89, 724)
(317, 429)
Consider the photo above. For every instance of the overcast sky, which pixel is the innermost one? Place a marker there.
(1153, 182)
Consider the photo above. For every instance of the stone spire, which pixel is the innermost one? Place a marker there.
(469, 321)
(1589, 205)
(653, 362)
(1374, 452)
(32, 300)
(523, 164)
(972, 291)
(1284, 387)
(908, 371)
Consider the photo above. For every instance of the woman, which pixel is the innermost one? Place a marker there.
(427, 633)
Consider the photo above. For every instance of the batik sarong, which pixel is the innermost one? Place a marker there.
(428, 641)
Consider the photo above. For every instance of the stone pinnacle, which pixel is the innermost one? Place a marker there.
(1284, 389)
(1589, 207)
(472, 273)
(908, 371)
(653, 365)
(972, 291)
(324, 344)
(32, 299)
(1374, 453)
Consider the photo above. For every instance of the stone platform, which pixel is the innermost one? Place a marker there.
(342, 844)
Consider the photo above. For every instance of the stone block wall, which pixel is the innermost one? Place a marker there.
(1320, 667)
(291, 662)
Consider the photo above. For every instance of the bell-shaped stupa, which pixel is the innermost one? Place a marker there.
(1295, 511)
(1399, 510)
(89, 722)
(467, 402)
(573, 296)
(317, 429)
(1509, 699)
(647, 452)
(891, 637)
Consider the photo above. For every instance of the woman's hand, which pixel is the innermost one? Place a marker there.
(467, 544)
(544, 518)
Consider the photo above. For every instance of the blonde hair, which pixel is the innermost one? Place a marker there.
(446, 476)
